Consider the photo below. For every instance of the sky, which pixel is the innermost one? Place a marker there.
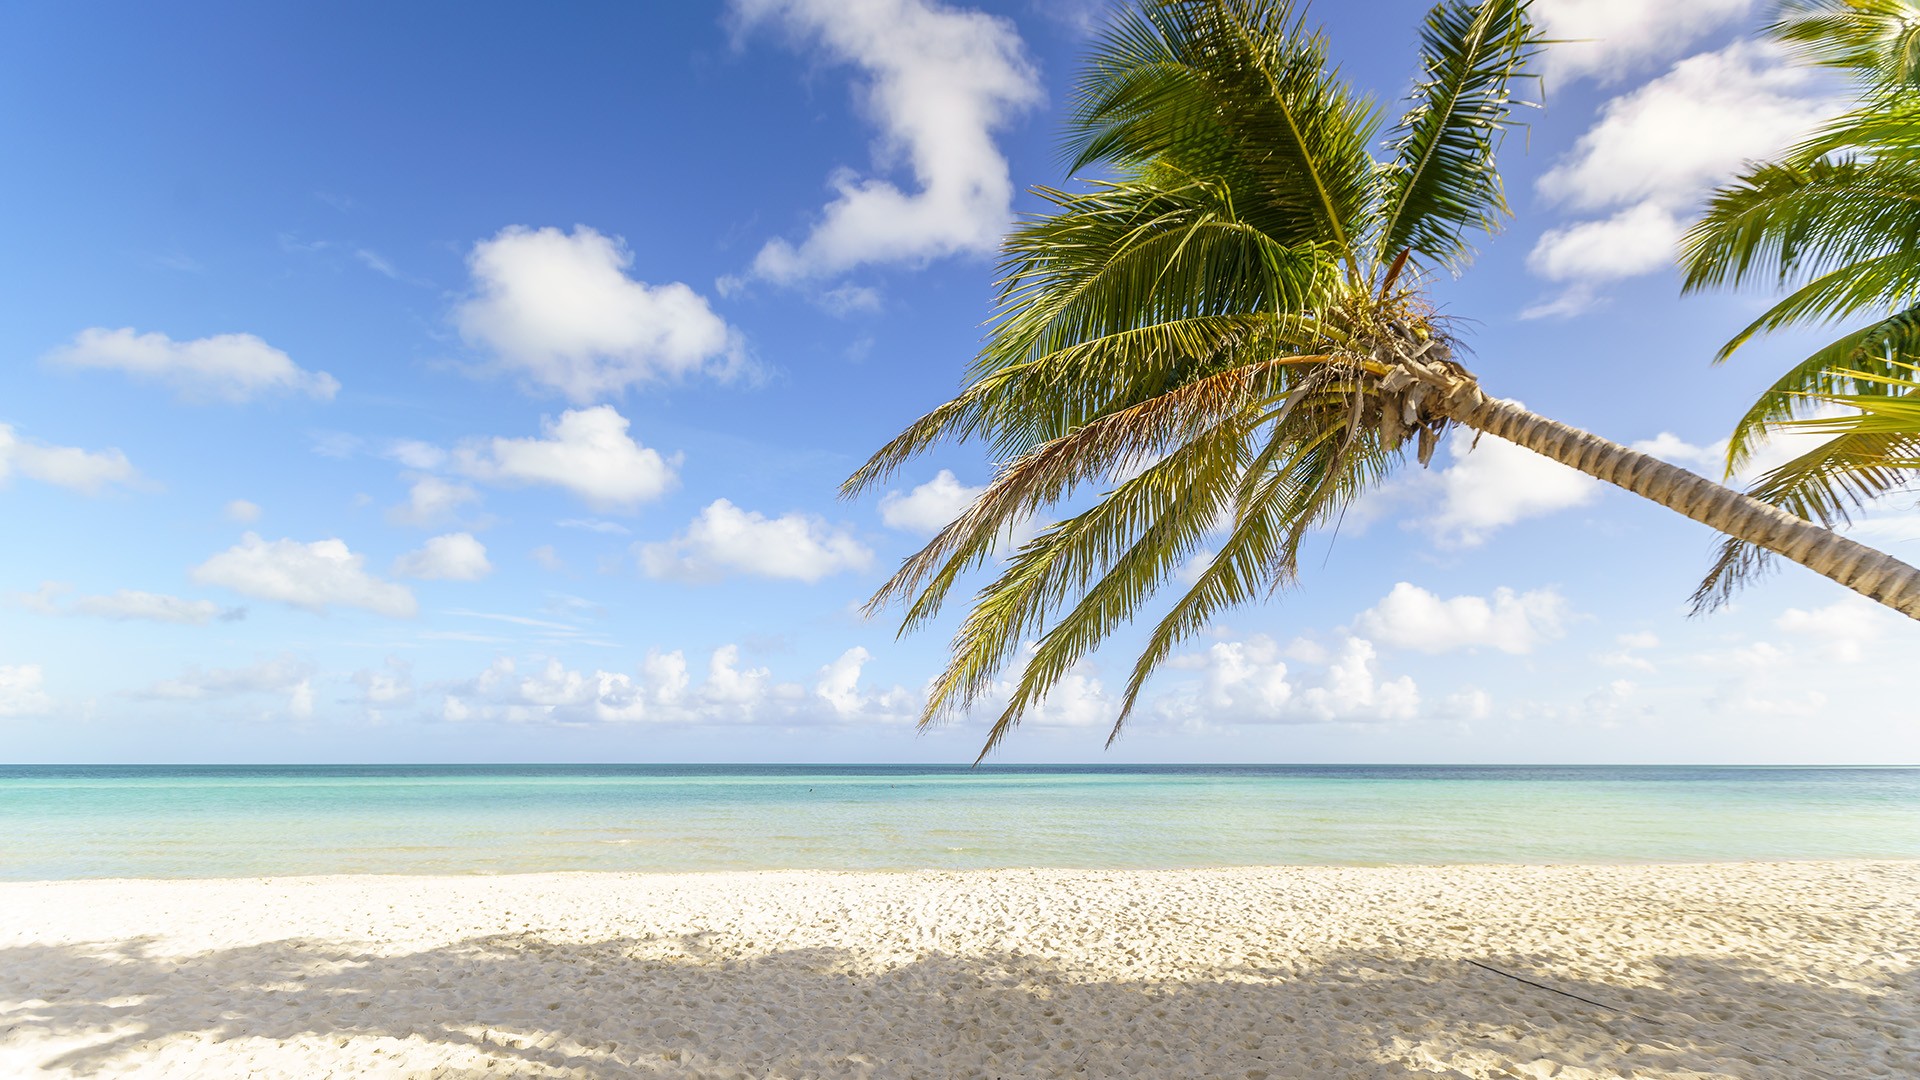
(473, 383)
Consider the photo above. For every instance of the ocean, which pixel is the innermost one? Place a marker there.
(60, 822)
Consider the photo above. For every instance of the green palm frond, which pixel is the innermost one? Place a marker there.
(1443, 179)
(1239, 91)
(1198, 340)
(1847, 222)
(1848, 364)
(1878, 40)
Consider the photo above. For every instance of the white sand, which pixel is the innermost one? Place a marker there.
(1750, 970)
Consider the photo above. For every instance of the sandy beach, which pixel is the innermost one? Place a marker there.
(1743, 970)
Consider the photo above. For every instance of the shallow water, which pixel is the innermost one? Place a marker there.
(234, 821)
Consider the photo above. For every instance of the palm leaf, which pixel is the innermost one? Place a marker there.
(1443, 179)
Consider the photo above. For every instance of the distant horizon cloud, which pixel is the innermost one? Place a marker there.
(283, 675)
(941, 80)
(1410, 617)
(232, 368)
(22, 691)
(559, 310)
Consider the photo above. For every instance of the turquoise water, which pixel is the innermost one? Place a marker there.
(228, 821)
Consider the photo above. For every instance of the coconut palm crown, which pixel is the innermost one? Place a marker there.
(1229, 339)
(1834, 222)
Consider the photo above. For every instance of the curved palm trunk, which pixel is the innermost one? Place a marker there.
(1868, 572)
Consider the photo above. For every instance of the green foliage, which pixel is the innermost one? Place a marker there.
(1200, 340)
(1835, 222)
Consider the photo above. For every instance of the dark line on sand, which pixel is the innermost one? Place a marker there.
(1562, 993)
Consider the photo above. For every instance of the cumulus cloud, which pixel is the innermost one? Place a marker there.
(430, 501)
(1248, 682)
(930, 507)
(1498, 483)
(586, 451)
(725, 540)
(233, 368)
(1653, 155)
(1410, 617)
(20, 691)
(662, 691)
(453, 557)
(281, 675)
(311, 576)
(1608, 39)
(560, 310)
(941, 80)
(84, 471)
(126, 604)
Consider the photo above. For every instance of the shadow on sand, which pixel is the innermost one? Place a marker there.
(521, 1005)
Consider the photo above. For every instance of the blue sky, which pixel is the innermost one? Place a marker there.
(451, 382)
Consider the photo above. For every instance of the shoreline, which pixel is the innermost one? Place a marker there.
(1747, 969)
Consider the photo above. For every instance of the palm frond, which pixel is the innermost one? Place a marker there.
(1881, 348)
(1443, 179)
(1239, 91)
(1876, 40)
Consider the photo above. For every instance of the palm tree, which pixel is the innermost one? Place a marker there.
(1233, 334)
(1834, 220)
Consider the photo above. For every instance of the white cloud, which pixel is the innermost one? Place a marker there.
(547, 557)
(415, 454)
(725, 539)
(560, 310)
(1353, 690)
(381, 691)
(1841, 630)
(1687, 130)
(1498, 483)
(930, 507)
(453, 557)
(430, 501)
(1638, 240)
(839, 687)
(69, 467)
(126, 604)
(1653, 155)
(586, 451)
(242, 511)
(226, 367)
(20, 691)
(1410, 617)
(1248, 682)
(1611, 38)
(941, 80)
(664, 693)
(281, 675)
(310, 576)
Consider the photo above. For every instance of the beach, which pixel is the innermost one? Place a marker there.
(1755, 969)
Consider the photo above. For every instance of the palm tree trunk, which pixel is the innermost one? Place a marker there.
(1868, 572)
